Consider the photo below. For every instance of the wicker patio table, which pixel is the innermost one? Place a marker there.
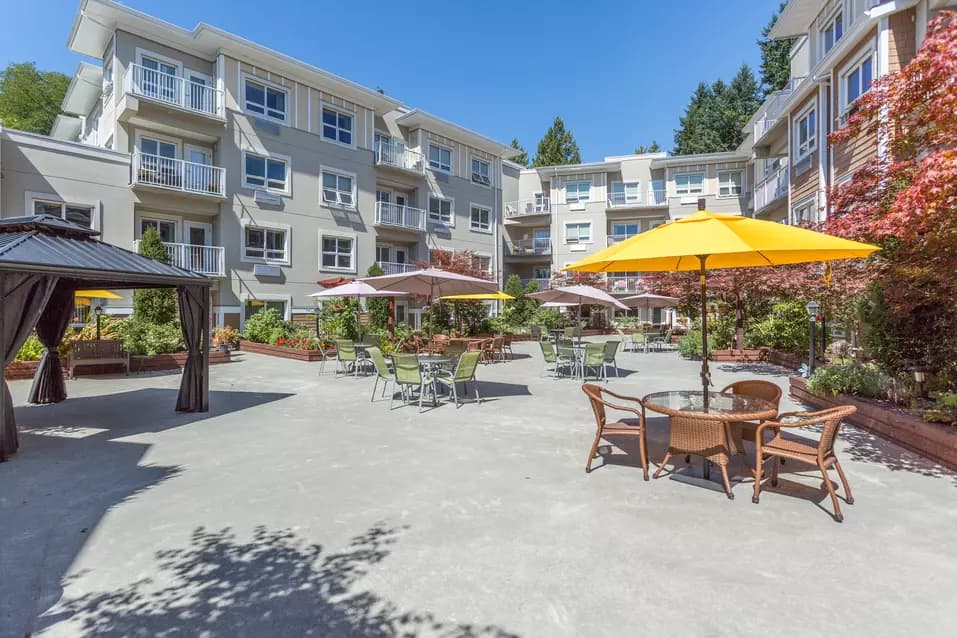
(700, 424)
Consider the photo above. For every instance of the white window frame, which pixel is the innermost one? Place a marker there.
(246, 296)
(632, 198)
(824, 50)
(157, 217)
(266, 226)
(326, 106)
(53, 198)
(721, 185)
(687, 192)
(845, 73)
(577, 199)
(141, 53)
(577, 239)
(438, 166)
(487, 183)
(478, 228)
(801, 205)
(323, 170)
(438, 220)
(353, 254)
(482, 256)
(287, 190)
(811, 142)
(266, 85)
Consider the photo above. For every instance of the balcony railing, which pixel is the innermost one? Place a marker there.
(626, 200)
(624, 283)
(771, 188)
(525, 207)
(389, 214)
(399, 156)
(623, 199)
(537, 246)
(543, 283)
(395, 268)
(773, 108)
(206, 260)
(172, 89)
(179, 175)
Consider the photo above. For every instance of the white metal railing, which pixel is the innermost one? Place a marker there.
(657, 197)
(772, 187)
(653, 197)
(537, 246)
(206, 260)
(623, 283)
(623, 199)
(773, 107)
(395, 268)
(177, 174)
(543, 283)
(389, 214)
(400, 156)
(172, 89)
(524, 207)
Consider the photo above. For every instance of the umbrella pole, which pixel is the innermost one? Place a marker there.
(705, 372)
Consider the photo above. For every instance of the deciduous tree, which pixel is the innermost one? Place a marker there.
(29, 98)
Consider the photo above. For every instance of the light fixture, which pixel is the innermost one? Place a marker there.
(98, 311)
(812, 307)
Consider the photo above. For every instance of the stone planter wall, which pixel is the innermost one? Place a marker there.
(19, 370)
(280, 351)
(936, 441)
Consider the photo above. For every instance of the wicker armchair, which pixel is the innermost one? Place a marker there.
(771, 392)
(820, 453)
(493, 349)
(624, 427)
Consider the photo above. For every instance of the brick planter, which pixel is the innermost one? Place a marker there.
(743, 356)
(19, 370)
(786, 359)
(280, 351)
(936, 441)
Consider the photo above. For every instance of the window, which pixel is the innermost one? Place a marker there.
(481, 218)
(440, 158)
(577, 192)
(623, 231)
(831, 33)
(75, 213)
(337, 189)
(482, 263)
(578, 233)
(440, 210)
(730, 183)
(337, 253)
(857, 81)
(689, 184)
(252, 306)
(805, 212)
(481, 172)
(265, 172)
(166, 229)
(805, 135)
(336, 126)
(623, 193)
(268, 244)
(265, 100)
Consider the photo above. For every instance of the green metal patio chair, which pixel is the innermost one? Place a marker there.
(550, 357)
(408, 376)
(381, 372)
(345, 355)
(455, 349)
(594, 358)
(463, 373)
(611, 350)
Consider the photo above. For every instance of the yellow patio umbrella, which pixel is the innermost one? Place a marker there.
(96, 294)
(707, 240)
(484, 296)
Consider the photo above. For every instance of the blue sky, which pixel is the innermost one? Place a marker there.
(619, 73)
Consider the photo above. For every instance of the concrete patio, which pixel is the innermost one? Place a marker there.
(297, 507)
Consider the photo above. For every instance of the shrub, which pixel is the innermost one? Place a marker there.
(227, 335)
(785, 328)
(266, 326)
(690, 344)
(109, 330)
(548, 318)
(846, 379)
(337, 317)
(378, 307)
(144, 337)
(155, 305)
(31, 350)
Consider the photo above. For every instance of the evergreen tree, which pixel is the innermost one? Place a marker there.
(30, 99)
(775, 58)
(716, 114)
(154, 305)
(518, 311)
(697, 133)
(558, 147)
(378, 307)
(521, 158)
(654, 147)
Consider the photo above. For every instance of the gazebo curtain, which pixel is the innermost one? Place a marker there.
(23, 296)
(194, 317)
(48, 385)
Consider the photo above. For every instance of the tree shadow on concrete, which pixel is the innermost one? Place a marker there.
(272, 585)
(760, 369)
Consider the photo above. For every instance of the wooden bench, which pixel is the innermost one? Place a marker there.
(102, 352)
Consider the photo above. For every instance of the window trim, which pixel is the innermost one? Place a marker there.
(578, 199)
(338, 235)
(323, 105)
(483, 256)
(247, 77)
(159, 217)
(428, 210)
(624, 190)
(479, 229)
(287, 245)
(248, 296)
(739, 171)
(488, 163)
(158, 137)
(52, 198)
(140, 52)
(265, 187)
(704, 177)
(811, 201)
(812, 138)
(451, 168)
(591, 236)
(869, 52)
(831, 19)
(340, 173)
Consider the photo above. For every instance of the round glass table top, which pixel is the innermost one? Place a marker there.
(718, 405)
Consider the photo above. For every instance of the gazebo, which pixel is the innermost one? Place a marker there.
(43, 261)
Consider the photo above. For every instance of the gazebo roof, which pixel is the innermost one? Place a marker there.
(48, 244)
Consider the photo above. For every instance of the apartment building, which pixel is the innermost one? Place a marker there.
(257, 169)
(841, 46)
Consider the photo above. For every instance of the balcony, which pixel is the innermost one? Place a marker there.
(398, 216)
(530, 247)
(773, 110)
(205, 260)
(174, 91)
(771, 188)
(624, 283)
(395, 268)
(635, 200)
(543, 283)
(527, 207)
(167, 173)
(398, 156)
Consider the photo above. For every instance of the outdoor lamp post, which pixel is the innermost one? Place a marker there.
(98, 311)
(812, 307)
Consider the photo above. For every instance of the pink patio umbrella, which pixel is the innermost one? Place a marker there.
(648, 301)
(431, 283)
(359, 290)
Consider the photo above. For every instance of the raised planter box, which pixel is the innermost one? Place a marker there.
(755, 355)
(280, 351)
(786, 359)
(936, 441)
(19, 370)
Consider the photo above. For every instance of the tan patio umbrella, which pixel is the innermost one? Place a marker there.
(578, 295)
(648, 301)
(432, 283)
